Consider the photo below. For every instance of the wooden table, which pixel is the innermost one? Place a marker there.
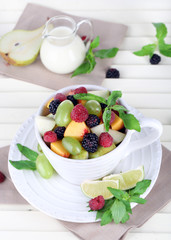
(146, 87)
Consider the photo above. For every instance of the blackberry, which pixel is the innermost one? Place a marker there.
(90, 142)
(103, 106)
(2, 177)
(155, 59)
(112, 73)
(53, 106)
(59, 132)
(92, 120)
(72, 99)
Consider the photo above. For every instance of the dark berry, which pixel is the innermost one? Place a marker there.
(103, 106)
(80, 90)
(112, 73)
(155, 59)
(72, 99)
(50, 136)
(59, 132)
(92, 121)
(97, 203)
(79, 113)
(53, 106)
(90, 142)
(2, 177)
(60, 96)
(105, 139)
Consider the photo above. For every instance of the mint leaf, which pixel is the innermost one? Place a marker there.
(106, 118)
(146, 50)
(127, 205)
(27, 152)
(130, 122)
(95, 43)
(108, 204)
(106, 218)
(118, 210)
(83, 68)
(23, 164)
(161, 30)
(137, 199)
(164, 48)
(89, 96)
(125, 218)
(119, 108)
(119, 194)
(113, 97)
(106, 53)
(140, 187)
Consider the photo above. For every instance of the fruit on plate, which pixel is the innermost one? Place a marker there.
(43, 166)
(72, 145)
(128, 179)
(104, 94)
(94, 107)
(117, 124)
(48, 103)
(117, 136)
(59, 149)
(82, 155)
(44, 124)
(21, 47)
(63, 113)
(93, 189)
(102, 151)
(76, 130)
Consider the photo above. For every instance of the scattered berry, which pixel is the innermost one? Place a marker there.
(50, 136)
(80, 90)
(97, 203)
(155, 59)
(92, 121)
(2, 177)
(59, 132)
(79, 113)
(83, 37)
(90, 142)
(72, 99)
(112, 73)
(53, 106)
(60, 96)
(103, 106)
(112, 117)
(105, 139)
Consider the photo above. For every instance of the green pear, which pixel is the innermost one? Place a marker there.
(21, 47)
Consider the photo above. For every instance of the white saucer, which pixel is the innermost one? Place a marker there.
(60, 199)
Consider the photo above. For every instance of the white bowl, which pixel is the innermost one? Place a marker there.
(77, 171)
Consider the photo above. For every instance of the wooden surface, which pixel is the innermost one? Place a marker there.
(144, 86)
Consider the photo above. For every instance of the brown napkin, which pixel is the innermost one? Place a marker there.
(158, 198)
(34, 16)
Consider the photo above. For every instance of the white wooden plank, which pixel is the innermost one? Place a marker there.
(148, 236)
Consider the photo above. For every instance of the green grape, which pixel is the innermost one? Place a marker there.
(43, 166)
(72, 145)
(62, 117)
(82, 155)
(94, 107)
(39, 148)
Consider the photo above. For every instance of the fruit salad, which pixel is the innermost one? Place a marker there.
(75, 128)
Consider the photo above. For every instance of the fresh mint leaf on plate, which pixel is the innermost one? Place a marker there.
(130, 121)
(113, 98)
(146, 50)
(118, 210)
(27, 152)
(89, 96)
(106, 118)
(137, 199)
(23, 164)
(119, 108)
(161, 30)
(140, 187)
(106, 217)
(164, 48)
(106, 53)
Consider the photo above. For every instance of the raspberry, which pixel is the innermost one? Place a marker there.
(83, 37)
(103, 106)
(105, 139)
(53, 106)
(155, 59)
(59, 132)
(50, 136)
(112, 117)
(90, 142)
(2, 177)
(80, 90)
(97, 203)
(112, 73)
(60, 96)
(79, 113)
(72, 99)
(92, 121)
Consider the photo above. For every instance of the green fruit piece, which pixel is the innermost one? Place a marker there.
(102, 151)
(72, 145)
(93, 107)
(44, 167)
(105, 94)
(39, 148)
(82, 155)
(63, 113)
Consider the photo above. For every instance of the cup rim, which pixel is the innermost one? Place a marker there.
(80, 161)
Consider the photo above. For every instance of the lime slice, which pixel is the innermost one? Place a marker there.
(127, 179)
(93, 189)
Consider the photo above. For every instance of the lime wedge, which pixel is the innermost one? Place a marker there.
(127, 179)
(93, 189)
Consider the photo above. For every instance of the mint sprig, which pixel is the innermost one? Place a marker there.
(118, 208)
(164, 49)
(90, 62)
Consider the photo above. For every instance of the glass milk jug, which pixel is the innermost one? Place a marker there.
(62, 49)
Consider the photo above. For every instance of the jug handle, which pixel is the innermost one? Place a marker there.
(89, 37)
(155, 133)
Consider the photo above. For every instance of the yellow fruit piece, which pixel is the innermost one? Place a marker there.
(59, 149)
(117, 124)
(76, 130)
(83, 102)
(49, 102)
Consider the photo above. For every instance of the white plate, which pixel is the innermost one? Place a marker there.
(60, 199)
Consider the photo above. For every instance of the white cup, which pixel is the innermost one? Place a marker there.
(77, 171)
